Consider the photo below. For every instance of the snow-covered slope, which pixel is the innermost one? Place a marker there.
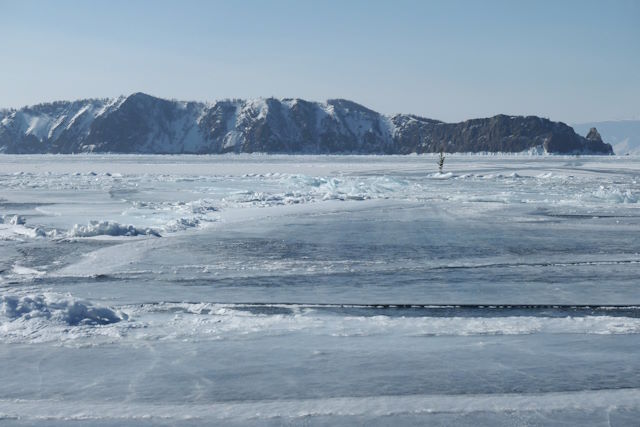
(142, 123)
(50, 127)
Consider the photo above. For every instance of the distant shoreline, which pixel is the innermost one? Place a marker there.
(144, 124)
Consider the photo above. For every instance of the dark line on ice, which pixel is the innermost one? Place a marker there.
(431, 310)
(407, 305)
(537, 264)
(440, 306)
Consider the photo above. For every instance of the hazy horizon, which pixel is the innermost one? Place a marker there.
(574, 62)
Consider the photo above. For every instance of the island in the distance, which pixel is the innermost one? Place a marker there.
(141, 123)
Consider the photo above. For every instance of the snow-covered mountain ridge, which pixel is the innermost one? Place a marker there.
(141, 123)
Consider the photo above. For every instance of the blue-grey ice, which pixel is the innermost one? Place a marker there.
(319, 290)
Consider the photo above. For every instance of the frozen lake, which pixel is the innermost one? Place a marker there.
(319, 290)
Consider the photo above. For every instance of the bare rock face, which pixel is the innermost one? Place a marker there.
(594, 141)
(500, 133)
(142, 123)
(594, 135)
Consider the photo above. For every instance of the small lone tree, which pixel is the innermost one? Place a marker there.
(441, 160)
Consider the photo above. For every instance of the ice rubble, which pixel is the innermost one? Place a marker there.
(300, 188)
(56, 308)
(109, 228)
(13, 227)
(13, 220)
(157, 217)
(615, 195)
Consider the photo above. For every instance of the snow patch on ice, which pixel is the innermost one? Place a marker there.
(25, 271)
(437, 175)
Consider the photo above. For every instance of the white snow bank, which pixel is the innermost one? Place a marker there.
(56, 308)
(12, 227)
(109, 228)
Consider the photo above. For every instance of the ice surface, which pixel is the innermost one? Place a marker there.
(319, 290)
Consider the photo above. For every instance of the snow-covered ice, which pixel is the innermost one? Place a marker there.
(319, 290)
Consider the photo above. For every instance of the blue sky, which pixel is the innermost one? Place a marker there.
(573, 61)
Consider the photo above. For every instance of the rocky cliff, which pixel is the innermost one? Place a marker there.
(623, 135)
(141, 123)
